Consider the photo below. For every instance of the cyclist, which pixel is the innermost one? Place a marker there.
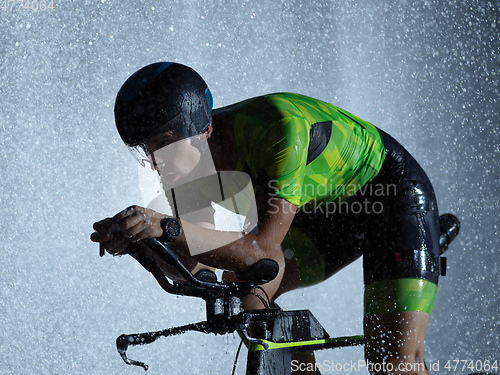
(329, 187)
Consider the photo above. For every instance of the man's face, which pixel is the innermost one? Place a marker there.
(190, 181)
(173, 158)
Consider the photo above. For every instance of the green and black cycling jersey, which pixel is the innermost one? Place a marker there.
(308, 150)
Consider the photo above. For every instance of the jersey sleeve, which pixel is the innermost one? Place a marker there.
(284, 159)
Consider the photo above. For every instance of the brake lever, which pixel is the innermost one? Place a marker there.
(124, 341)
(122, 344)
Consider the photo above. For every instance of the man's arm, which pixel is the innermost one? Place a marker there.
(236, 251)
(227, 250)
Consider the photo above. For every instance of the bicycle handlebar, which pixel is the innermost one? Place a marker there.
(259, 273)
(225, 311)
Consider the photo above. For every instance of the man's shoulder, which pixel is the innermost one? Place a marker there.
(280, 102)
(252, 107)
(279, 105)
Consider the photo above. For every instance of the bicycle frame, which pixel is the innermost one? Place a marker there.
(287, 333)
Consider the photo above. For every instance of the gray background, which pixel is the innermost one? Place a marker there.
(425, 71)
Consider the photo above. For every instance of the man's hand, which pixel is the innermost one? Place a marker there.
(130, 225)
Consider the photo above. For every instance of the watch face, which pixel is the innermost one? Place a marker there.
(172, 229)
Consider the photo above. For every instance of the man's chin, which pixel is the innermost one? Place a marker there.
(172, 181)
(170, 178)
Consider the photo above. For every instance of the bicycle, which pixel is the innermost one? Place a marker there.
(279, 334)
(273, 336)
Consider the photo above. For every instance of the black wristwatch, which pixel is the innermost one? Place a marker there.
(172, 229)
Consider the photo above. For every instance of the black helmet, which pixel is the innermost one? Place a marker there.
(160, 97)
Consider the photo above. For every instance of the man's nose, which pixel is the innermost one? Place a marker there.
(156, 161)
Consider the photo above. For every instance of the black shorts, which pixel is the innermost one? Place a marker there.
(393, 221)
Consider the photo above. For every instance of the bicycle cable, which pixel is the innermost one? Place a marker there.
(266, 305)
(236, 358)
(265, 293)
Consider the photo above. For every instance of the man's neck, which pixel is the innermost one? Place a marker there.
(222, 144)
